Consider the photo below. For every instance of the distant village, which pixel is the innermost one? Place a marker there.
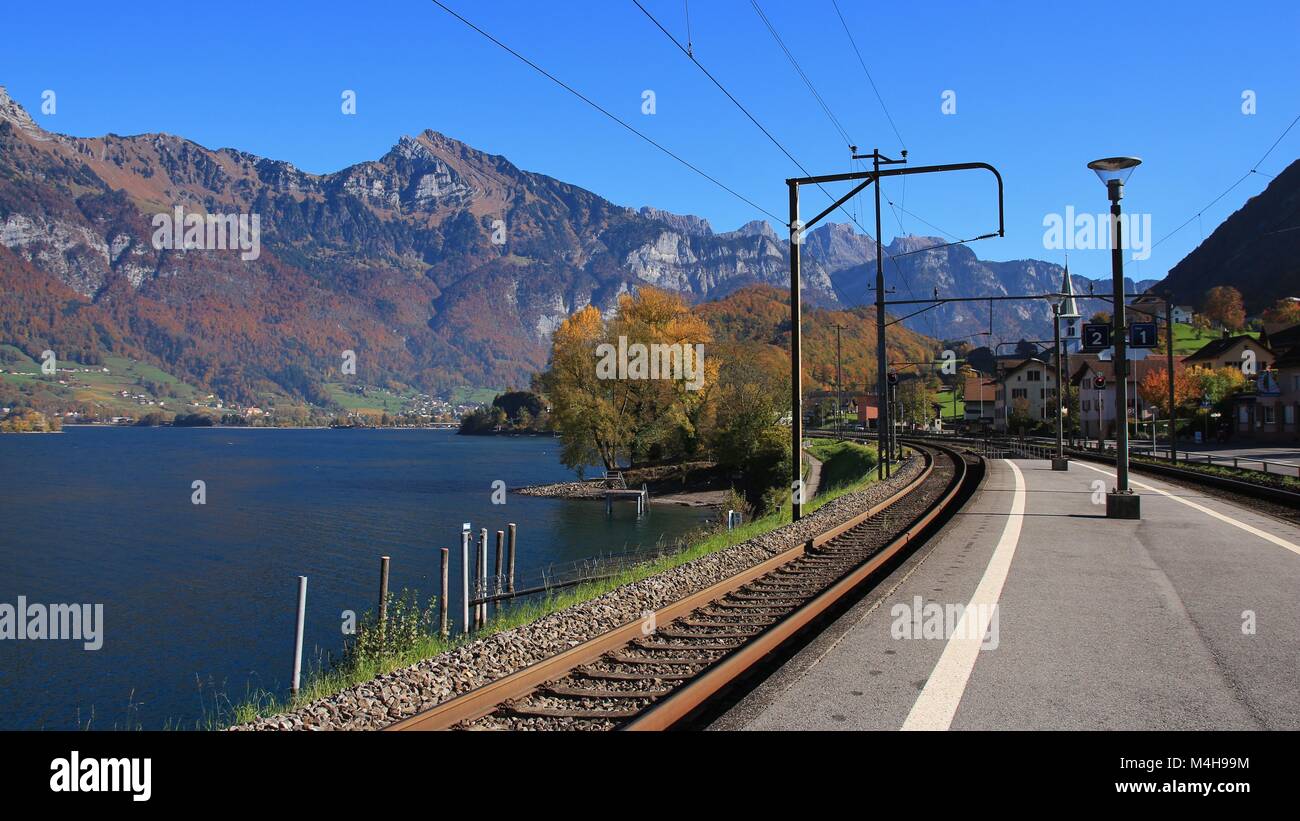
(1240, 379)
(419, 410)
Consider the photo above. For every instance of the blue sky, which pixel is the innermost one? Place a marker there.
(1041, 88)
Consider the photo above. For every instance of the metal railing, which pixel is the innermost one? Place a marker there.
(1190, 457)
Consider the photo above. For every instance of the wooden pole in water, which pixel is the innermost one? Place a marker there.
(497, 577)
(482, 576)
(464, 575)
(297, 643)
(383, 593)
(510, 584)
(479, 549)
(443, 628)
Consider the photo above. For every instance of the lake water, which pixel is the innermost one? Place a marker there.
(200, 599)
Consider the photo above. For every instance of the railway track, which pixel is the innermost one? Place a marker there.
(654, 673)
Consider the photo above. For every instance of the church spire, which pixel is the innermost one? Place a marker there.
(1069, 310)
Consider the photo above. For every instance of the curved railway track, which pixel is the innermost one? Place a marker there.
(654, 673)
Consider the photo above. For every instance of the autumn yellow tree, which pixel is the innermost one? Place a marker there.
(1215, 384)
(1285, 311)
(1223, 304)
(1154, 388)
(670, 400)
(636, 387)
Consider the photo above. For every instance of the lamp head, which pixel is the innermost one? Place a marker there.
(1114, 168)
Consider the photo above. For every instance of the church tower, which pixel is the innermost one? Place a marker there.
(1071, 322)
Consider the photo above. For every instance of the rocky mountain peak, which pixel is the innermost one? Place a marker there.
(412, 148)
(685, 223)
(11, 110)
(754, 228)
(837, 245)
(911, 243)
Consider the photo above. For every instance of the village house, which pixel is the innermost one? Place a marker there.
(1150, 304)
(1029, 386)
(1266, 410)
(1232, 352)
(867, 408)
(1269, 409)
(978, 396)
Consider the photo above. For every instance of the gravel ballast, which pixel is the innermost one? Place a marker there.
(402, 693)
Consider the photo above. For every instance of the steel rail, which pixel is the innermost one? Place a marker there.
(488, 699)
(685, 700)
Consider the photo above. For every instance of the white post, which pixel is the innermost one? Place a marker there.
(464, 577)
(483, 573)
(297, 643)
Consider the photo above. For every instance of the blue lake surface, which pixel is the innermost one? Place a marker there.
(199, 600)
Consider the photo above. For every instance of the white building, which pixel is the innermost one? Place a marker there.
(1029, 387)
(1071, 322)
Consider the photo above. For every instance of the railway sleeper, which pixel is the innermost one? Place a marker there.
(672, 633)
(615, 675)
(649, 645)
(565, 690)
(667, 661)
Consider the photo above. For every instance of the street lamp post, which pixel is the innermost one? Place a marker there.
(1059, 462)
(1122, 502)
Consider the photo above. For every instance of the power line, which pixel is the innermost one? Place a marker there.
(1197, 215)
(720, 86)
(867, 72)
(834, 121)
(1275, 143)
(1254, 170)
(799, 70)
(604, 111)
(746, 112)
(791, 157)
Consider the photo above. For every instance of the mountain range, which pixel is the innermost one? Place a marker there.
(439, 265)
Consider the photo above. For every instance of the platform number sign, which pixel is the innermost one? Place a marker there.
(1142, 335)
(1096, 336)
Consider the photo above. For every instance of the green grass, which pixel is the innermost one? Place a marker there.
(24, 362)
(948, 412)
(467, 395)
(376, 400)
(321, 682)
(843, 463)
(1188, 340)
(98, 389)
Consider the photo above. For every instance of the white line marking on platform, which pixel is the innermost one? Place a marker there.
(937, 704)
(1266, 536)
